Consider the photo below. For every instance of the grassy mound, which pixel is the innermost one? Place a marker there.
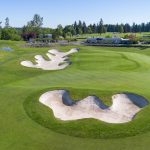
(87, 128)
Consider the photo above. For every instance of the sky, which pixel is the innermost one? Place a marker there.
(66, 12)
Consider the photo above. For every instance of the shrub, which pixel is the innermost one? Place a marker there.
(10, 34)
(28, 36)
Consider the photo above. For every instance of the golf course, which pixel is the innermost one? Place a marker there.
(25, 123)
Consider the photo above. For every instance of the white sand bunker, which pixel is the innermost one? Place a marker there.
(57, 60)
(123, 109)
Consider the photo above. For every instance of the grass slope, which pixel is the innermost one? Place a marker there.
(95, 70)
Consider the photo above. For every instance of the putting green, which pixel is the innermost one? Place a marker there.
(27, 124)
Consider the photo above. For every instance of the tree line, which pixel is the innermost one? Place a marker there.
(82, 28)
(33, 29)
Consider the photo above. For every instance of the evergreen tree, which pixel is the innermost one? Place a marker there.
(94, 28)
(89, 30)
(104, 29)
(134, 27)
(84, 28)
(75, 26)
(7, 23)
(120, 28)
(127, 28)
(79, 28)
(101, 27)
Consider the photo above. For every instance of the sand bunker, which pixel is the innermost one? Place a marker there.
(123, 109)
(57, 60)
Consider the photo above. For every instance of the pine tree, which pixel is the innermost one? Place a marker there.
(101, 26)
(7, 23)
(120, 28)
(84, 28)
(75, 26)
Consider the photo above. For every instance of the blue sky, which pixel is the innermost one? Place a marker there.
(65, 12)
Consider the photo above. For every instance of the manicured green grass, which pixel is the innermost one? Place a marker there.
(27, 124)
(86, 128)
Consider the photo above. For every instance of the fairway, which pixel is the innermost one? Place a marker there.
(102, 71)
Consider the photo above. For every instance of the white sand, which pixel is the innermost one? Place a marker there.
(123, 109)
(57, 60)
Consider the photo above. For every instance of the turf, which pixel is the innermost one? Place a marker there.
(101, 71)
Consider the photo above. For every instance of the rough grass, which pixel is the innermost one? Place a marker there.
(100, 71)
